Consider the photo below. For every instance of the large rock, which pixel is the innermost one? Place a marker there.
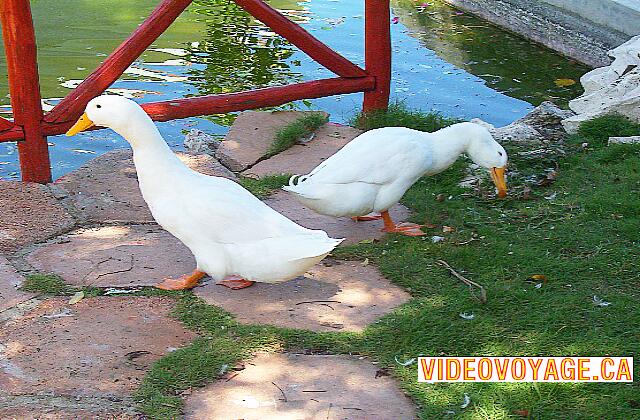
(30, 213)
(297, 386)
(197, 141)
(251, 136)
(106, 189)
(611, 89)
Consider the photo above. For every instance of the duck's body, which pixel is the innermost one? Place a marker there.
(229, 231)
(373, 171)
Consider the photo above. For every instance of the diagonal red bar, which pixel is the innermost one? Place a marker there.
(5, 124)
(113, 66)
(301, 38)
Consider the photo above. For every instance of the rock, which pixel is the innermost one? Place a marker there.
(624, 140)
(611, 89)
(300, 386)
(546, 119)
(197, 141)
(10, 281)
(515, 132)
(302, 158)
(251, 136)
(30, 214)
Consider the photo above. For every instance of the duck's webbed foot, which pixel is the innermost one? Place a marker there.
(188, 281)
(408, 229)
(235, 282)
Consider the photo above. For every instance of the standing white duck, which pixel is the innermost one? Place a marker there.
(373, 171)
(234, 236)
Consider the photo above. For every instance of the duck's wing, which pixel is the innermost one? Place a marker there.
(375, 157)
(220, 210)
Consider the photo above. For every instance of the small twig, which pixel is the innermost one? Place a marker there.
(329, 410)
(232, 376)
(483, 291)
(465, 242)
(352, 408)
(284, 397)
(318, 301)
(131, 265)
(312, 391)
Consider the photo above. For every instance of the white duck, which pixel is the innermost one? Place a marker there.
(373, 171)
(234, 237)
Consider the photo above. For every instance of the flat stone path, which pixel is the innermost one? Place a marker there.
(332, 296)
(114, 256)
(99, 348)
(10, 281)
(296, 386)
(93, 228)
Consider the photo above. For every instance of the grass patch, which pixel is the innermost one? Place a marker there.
(49, 284)
(264, 186)
(598, 130)
(398, 115)
(580, 231)
(291, 133)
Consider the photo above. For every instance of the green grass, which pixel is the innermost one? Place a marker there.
(264, 186)
(581, 232)
(48, 284)
(398, 115)
(598, 130)
(290, 134)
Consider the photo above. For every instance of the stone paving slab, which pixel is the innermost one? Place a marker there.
(30, 214)
(106, 188)
(114, 256)
(350, 390)
(98, 347)
(333, 296)
(302, 158)
(251, 135)
(10, 281)
(336, 227)
(46, 408)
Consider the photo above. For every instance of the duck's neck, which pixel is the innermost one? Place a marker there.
(150, 151)
(446, 146)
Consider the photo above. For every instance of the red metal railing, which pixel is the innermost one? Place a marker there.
(31, 126)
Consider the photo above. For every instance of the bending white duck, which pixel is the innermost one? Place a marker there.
(234, 237)
(373, 171)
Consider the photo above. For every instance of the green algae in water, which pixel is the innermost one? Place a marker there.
(507, 62)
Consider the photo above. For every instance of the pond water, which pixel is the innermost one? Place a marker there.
(444, 60)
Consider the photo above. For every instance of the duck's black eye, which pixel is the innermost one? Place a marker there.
(500, 153)
(100, 106)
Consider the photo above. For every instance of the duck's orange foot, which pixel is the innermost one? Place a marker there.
(366, 218)
(408, 229)
(235, 282)
(188, 281)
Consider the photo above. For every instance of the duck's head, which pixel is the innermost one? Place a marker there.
(111, 111)
(488, 153)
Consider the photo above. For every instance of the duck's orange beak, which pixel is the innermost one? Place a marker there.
(498, 177)
(82, 124)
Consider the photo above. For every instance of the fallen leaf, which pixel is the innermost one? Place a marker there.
(77, 297)
(441, 197)
(448, 229)
(366, 241)
(365, 262)
(564, 82)
(522, 413)
(538, 277)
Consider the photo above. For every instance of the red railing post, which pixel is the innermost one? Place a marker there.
(377, 53)
(24, 86)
